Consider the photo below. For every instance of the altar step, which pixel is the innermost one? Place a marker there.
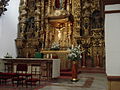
(65, 77)
(66, 73)
(92, 70)
(82, 70)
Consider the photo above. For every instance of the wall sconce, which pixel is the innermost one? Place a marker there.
(3, 4)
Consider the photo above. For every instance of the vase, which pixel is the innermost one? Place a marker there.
(74, 71)
(38, 55)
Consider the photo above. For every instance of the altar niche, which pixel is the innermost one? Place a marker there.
(59, 24)
(60, 4)
(61, 34)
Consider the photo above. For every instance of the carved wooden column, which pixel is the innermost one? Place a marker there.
(98, 46)
(68, 6)
(46, 44)
(97, 61)
(22, 19)
(42, 14)
(76, 12)
(83, 60)
(21, 27)
(49, 6)
(37, 19)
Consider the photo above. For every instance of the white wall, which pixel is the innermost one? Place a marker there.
(112, 41)
(8, 29)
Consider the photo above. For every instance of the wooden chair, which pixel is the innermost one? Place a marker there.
(7, 74)
(21, 74)
(8, 67)
(36, 75)
(4, 77)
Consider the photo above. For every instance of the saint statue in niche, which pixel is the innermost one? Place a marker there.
(30, 23)
(61, 35)
(60, 4)
(96, 19)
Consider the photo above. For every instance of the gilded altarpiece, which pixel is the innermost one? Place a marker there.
(92, 35)
(67, 22)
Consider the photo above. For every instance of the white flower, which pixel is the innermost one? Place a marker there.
(55, 46)
(75, 53)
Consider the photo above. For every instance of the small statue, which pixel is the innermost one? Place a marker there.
(96, 19)
(30, 23)
(36, 34)
(37, 26)
(58, 4)
(37, 14)
(22, 27)
(22, 34)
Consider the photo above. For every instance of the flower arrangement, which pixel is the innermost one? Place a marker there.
(75, 53)
(55, 46)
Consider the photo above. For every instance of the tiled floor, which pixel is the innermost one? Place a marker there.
(99, 82)
(87, 81)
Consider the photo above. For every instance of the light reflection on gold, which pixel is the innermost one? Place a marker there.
(59, 35)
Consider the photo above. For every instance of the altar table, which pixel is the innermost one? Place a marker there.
(62, 55)
(55, 63)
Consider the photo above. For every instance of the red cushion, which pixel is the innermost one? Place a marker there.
(24, 74)
(32, 80)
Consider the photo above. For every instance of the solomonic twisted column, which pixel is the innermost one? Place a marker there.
(83, 61)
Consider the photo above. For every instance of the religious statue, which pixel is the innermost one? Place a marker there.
(36, 34)
(37, 26)
(22, 27)
(97, 21)
(22, 35)
(37, 14)
(30, 23)
(86, 26)
(60, 4)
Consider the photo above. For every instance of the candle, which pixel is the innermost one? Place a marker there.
(47, 55)
(72, 46)
(50, 55)
(42, 46)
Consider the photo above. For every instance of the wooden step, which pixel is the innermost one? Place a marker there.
(65, 73)
(82, 70)
(92, 70)
(65, 77)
